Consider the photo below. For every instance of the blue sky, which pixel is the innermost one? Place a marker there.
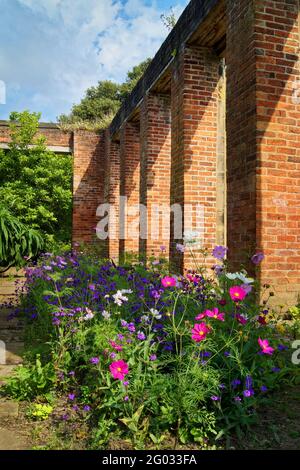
(51, 51)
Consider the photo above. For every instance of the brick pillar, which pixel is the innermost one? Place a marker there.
(88, 151)
(129, 187)
(112, 194)
(194, 145)
(155, 171)
(263, 118)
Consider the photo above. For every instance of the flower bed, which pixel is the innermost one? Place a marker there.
(141, 355)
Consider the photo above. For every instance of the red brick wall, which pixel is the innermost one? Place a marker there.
(88, 184)
(155, 169)
(112, 193)
(194, 141)
(54, 135)
(263, 139)
(129, 182)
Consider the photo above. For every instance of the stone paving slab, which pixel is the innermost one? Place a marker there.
(9, 409)
(9, 441)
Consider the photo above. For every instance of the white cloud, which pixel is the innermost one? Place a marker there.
(53, 50)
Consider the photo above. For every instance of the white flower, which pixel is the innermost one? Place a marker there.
(155, 313)
(89, 315)
(144, 318)
(105, 315)
(119, 298)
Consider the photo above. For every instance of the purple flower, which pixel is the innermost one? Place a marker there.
(222, 386)
(75, 407)
(126, 398)
(180, 248)
(248, 393)
(275, 369)
(215, 398)
(247, 288)
(71, 396)
(163, 248)
(65, 417)
(86, 408)
(263, 388)
(237, 399)
(126, 383)
(282, 347)
(155, 294)
(120, 337)
(71, 373)
(218, 269)
(131, 327)
(94, 360)
(235, 383)
(257, 258)
(226, 353)
(248, 382)
(112, 355)
(153, 357)
(92, 287)
(219, 252)
(123, 323)
(141, 336)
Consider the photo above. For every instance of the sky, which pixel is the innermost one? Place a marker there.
(51, 51)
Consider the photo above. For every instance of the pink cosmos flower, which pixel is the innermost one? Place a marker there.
(214, 313)
(237, 293)
(200, 316)
(168, 281)
(264, 344)
(199, 332)
(119, 369)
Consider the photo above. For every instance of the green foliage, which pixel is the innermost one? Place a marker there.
(17, 240)
(31, 381)
(101, 102)
(169, 20)
(36, 183)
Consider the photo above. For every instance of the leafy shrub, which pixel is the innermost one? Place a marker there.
(148, 355)
(36, 184)
(17, 241)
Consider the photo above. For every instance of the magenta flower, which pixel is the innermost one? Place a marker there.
(242, 320)
(200, 331)
(257, 258)
(119, 369)
(116, 346)
(265, 347)
(200, 316)
(168, 281)
(237, 293)
(219, 252)
(215, 314)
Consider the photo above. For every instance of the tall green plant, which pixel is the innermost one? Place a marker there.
(16, 241)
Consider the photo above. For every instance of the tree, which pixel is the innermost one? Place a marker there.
(101, 102)
(169, 20)
(35, 183)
